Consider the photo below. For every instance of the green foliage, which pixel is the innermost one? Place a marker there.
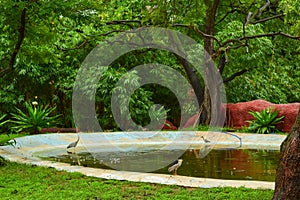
(3, 122)
(158, 114)
(275, 79)
(59, 35)
(11, 142)
(138, 103)
(265, 121)
(9, 138)
(37, 117)
(291, 10)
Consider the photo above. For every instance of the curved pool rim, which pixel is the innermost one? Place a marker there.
(27, 147)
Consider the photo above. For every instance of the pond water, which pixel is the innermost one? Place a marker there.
(238, 164)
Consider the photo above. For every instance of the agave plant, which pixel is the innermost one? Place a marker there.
(37, 117)
(4, 122)
(158, 113)
(265, 121)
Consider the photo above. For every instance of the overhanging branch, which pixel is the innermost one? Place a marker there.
(16, 50)
(260, 36)
(267, 19)
(271, 34)
(227, 13)
(107, 33)
(222, 63)
(262, 8)
(68, 49)
(193, 27)
(124, 22)
(82, 44)
(233, 76)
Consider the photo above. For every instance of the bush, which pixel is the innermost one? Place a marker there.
(265, 121)
(2, 122)
(37, 117)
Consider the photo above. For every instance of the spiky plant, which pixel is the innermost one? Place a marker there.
(1, 118)
(36, 118)
(265, 121)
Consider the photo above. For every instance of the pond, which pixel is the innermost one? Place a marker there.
(237, 164)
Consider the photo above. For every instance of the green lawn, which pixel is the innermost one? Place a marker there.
(20, 181)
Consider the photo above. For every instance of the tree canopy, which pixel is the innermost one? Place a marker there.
(254, 44)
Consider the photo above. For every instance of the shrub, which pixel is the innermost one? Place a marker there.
(37, 117)
(1, 118)
(265, 121)
(2, 122)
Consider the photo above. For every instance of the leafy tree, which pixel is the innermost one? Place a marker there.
(241, 36)
(43, 43)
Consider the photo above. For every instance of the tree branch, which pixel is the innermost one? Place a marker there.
(268, 18)
(107, 33)
(126, 22)
(249, 17)
(227, 13)
(68, 49)
(257, 14)
(123, 21)
(233, 76)
(16, 50)
(271, 34)
(262, 9)
(193, 27)
(86, 41)
(192, 76)
(238, 46)
(259, 36)
(222, 63)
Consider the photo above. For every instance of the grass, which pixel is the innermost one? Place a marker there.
(21, 181)
(4, 138)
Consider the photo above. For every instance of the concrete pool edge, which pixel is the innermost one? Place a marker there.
(138, 176)
(252, 140)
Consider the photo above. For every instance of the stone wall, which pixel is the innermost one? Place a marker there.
(237, 114)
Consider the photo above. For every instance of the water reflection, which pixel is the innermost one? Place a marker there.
(235, 164)
(232, 164)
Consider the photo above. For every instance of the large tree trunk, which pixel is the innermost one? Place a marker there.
(193, 78)
(210, 92)
(287, 183)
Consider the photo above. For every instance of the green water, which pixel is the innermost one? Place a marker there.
(231, 164)
(222, 164)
